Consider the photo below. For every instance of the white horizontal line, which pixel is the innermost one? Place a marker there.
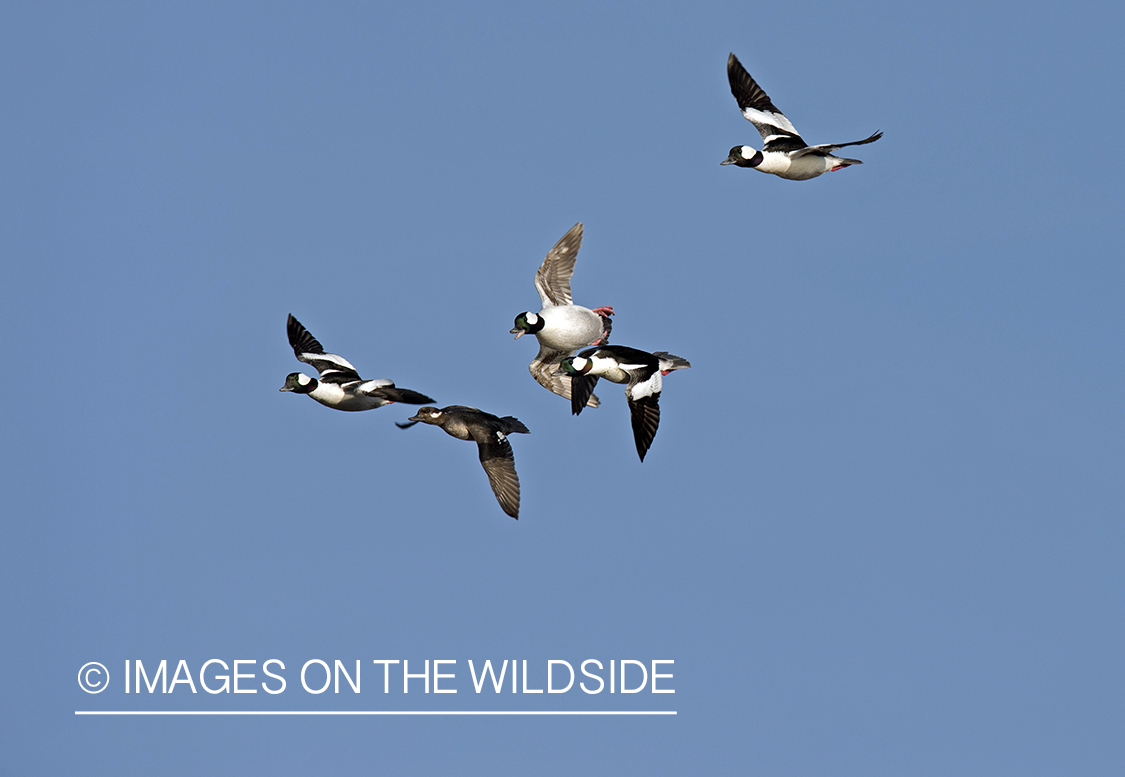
(374, 712)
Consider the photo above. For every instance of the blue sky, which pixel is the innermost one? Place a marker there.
(879, 531)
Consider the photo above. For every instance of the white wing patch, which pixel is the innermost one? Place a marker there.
(648, 388)
(373, 385)
(768, 118)
(331, 358)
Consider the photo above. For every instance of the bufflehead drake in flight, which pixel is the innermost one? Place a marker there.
(490, 434)
(561, 326)
(783, 152)
(339, 386)
(642, 371)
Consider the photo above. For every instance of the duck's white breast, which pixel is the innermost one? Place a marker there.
(569, 327)
(800, 169)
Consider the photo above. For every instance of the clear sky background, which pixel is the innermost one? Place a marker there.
(879, 532)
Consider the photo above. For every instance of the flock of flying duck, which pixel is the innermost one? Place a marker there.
(563, 328)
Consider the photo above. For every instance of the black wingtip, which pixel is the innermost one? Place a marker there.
(576, 402)
(509, 509)
(513, 425)
(734, 67)
(301, 339)
(406, 396)
(644, 417)
(581, 390)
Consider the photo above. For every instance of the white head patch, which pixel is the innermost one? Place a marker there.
(748, 153)
(303, 379)
(532, 319)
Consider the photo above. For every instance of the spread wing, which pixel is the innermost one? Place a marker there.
(552, 280)
(581, 389)
(823, 149)
(500, 465)
(643, 393)
(760, 111)
(644, 413)
(543, 368)
(332, 368)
